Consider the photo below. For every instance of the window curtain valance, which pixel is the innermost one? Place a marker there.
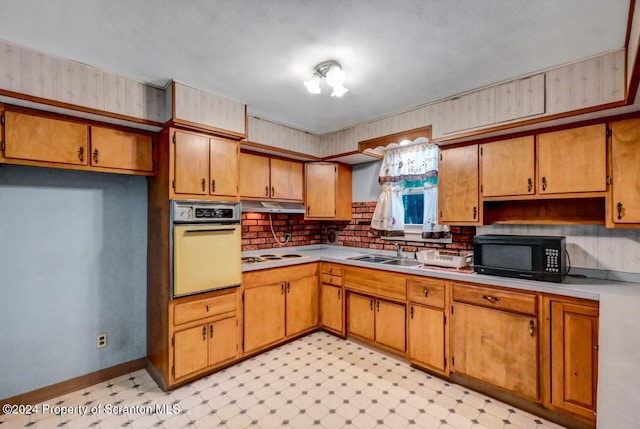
(417, 162)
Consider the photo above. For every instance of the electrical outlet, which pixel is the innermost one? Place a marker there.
(101, 340)
(288, 236)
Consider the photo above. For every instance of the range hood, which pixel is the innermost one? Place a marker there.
(271, 207)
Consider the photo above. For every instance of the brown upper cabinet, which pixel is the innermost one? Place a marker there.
(119, 149)
(625, 171)
(458, 198)
(203, 166)
(508, 167)
(35, 138)
(328, 191)
(573, 160)
(263, 177)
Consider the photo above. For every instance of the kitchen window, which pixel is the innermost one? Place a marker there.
(407, 206)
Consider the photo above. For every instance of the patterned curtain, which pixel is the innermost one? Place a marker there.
(411, 166)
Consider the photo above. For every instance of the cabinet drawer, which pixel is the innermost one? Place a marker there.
(331, 269)
(194, 310)
(427, 291)
(376, 282)
(516, 302)
(332, 280)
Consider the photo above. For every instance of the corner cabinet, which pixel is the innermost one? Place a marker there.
(279, 303)
(458, 197)
(263, 177)
(202, 166)
(49, 140)
(328, 193)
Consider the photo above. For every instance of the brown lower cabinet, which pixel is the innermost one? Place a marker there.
(574, 357)
(494, 337)
(537, 346)
(279, 303)
(205, 346)
(204, 335)
(377, 320)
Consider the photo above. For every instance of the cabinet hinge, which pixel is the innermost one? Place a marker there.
(445, 362)
(173, 371)
(2, 119)
(453, 361)
(2, 146)
(236, 346)
(481, 188)
(452, 309)
(335, 168)
(480, 151)
(173, 341)
(440, 157)
(445, 318)
(174, 138)
(174, 184)
(608, 132)
(153, 144)
(608, 180)
(153, 164)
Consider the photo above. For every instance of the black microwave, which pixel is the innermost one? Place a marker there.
(533, 257)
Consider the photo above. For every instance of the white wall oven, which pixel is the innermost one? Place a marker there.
(206, 246)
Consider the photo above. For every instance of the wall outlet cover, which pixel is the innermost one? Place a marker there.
(101, 340)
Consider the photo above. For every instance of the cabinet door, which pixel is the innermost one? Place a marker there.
(360, 319)
(574, 358)
(458, 185)
(223, 167)
(190, 351)
(264, 318)
(35, 138)
(390, 324)
(332, 307)
(286, 179)
(302, 305)
(508, 167)
(497, 347)
(254, 176)
(573, 160)
(426, 337)
(119, 149)
(191, 163)
(625, 161)
(320, 192)
(223, 340)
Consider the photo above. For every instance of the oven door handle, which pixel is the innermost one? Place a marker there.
(210, 230)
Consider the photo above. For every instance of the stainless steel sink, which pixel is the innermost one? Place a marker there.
(402, 262)
(372, 258)
(387, 260)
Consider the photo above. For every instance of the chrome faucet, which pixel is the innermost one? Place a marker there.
(399, 252)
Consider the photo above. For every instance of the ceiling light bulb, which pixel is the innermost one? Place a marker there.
(339, 91)
(335, 76)
(313, 84)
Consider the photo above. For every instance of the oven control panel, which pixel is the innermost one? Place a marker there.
(203, 211)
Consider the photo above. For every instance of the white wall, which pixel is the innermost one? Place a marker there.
(73, 265)
(365, 181)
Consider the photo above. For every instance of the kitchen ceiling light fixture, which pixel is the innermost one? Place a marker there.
(334, 75)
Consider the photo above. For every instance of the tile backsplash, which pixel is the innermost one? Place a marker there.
(256, 232)
(589, 246)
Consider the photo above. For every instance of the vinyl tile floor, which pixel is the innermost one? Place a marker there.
(318, 381)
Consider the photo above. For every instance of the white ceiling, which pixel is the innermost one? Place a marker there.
(398, 54)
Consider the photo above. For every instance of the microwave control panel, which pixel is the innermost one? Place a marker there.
(552, 264)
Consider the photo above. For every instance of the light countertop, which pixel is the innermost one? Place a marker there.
(619, 345)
